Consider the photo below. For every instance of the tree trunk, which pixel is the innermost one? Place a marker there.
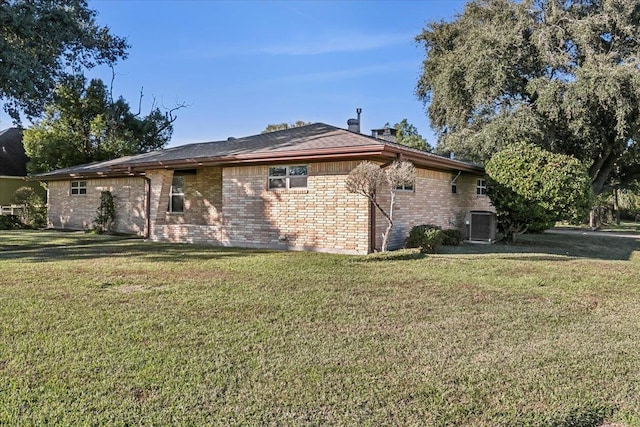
(385, 236)
(594, 218)
(600, 172)
(616, 206)
(387, 232)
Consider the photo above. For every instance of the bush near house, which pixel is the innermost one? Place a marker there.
(532, 188)
(10, 222)
(34, 212)
(452, 237)
(428, 237)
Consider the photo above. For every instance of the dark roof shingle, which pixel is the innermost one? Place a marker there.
(13, 160)
(316, 139)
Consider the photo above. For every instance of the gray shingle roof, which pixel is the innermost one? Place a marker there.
(317, 139)
(310, 137)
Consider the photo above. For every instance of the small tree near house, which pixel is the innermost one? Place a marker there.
(106, 212)
(368, 178)
(33, 213)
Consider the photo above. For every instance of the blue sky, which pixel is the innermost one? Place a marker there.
(241, 65)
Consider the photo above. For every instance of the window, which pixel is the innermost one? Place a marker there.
(288, 177)
(481, 187)
(454, 182)
(78, 187)
(176, 195)
(405, 187)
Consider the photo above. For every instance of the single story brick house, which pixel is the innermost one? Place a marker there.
(283, 190)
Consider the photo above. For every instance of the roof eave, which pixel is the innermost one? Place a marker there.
(85, 175)
(431, 160)
(267, 157)
(379, 151)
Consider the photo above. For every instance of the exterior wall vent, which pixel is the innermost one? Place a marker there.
(480, 226)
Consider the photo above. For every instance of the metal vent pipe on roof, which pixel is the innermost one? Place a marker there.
(354, 124)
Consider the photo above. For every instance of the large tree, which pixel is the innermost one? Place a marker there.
(85, 124)
(561, 74)
(42, 42)
(407, 134)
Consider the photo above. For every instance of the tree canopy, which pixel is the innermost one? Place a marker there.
(407, 134)
(282, 126)
(563, 75)
(84, 124)
(532, 188)
(41, 43)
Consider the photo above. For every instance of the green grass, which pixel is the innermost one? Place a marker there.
(98, 330)
(623, 227)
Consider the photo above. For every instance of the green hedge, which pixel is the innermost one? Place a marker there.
(10, 222)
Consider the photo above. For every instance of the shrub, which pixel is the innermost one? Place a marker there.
(34, 213)
(10, 222)
(106, 212)
(451, 237)
(532, 188)
(427, 237)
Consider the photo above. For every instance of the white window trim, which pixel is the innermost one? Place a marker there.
(79, 189)
(403, 188)
(286, 177)
(173, 194)
(481, 187)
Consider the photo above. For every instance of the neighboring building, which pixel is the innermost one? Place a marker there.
(13, 166)
(283, 189)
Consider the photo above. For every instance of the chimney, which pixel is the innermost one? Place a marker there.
(386, 134)
(354, 124)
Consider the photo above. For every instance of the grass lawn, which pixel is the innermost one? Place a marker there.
(623, 227)
(101, 330)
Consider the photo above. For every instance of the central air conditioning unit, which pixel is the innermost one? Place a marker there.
(481, 226)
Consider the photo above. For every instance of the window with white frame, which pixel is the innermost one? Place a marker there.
(78, 188)
(176, 194)
(481, 186)
(284, 177)
(405, 187)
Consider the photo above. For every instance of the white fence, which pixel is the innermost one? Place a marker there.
(11, 210)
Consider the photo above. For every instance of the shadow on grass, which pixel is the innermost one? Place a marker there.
(541, 247)
(43, 246)
(46, 246)
(548, 246)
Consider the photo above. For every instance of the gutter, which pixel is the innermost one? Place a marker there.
(147, 231)
(386, 151)
(432, 160)
(263, 157)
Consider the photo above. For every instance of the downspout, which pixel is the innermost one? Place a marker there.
(372, 227)
(147, 231)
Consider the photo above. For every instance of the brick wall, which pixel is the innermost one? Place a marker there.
(432, 202)
(76, 212)
(321, 217)
(232, 206)
(201, 221)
